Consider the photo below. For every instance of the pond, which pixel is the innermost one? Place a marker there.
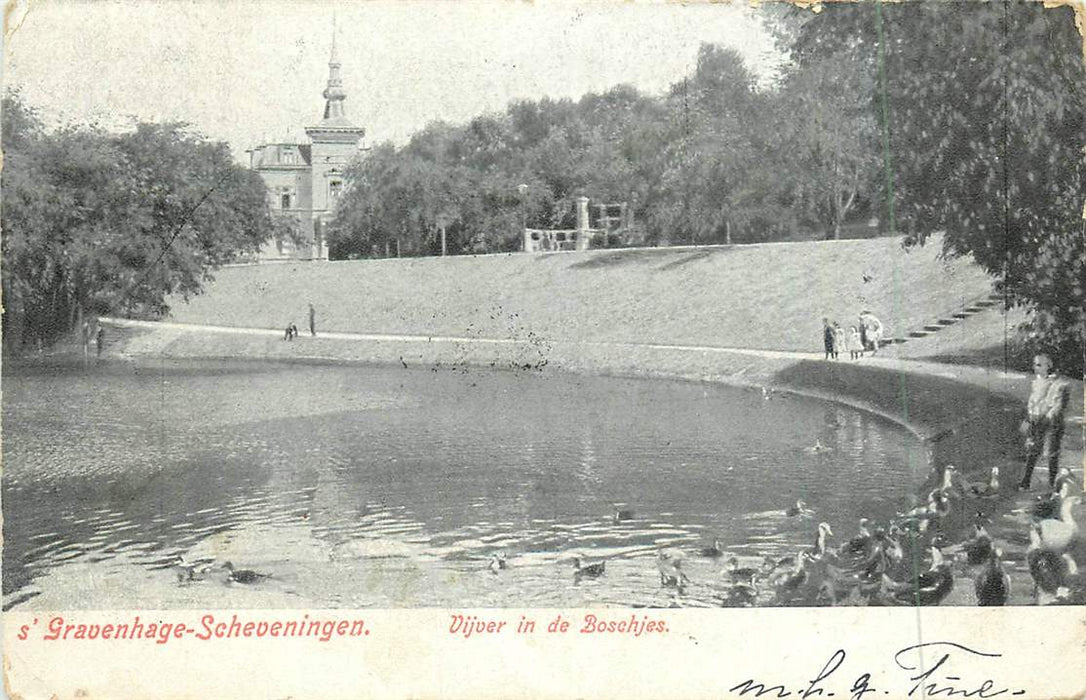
(394, 487)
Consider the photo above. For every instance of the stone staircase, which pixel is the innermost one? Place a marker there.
(982, 304)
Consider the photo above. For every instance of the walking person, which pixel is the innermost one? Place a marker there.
(827, 337)
(99, 339)
(312, 321)
(840, 342)
(1043, 426)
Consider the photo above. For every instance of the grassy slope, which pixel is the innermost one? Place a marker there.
(768, 296)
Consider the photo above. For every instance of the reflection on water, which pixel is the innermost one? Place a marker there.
(392, 487)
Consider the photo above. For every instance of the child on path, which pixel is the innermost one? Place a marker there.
(827, 337)
(839, 341)
(855, 343)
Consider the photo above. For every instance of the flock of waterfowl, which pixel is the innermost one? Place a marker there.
(908, 561)
(911, 560)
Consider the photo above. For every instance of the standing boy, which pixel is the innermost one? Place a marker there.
(1043, 426)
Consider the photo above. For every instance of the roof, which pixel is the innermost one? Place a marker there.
(335, 123)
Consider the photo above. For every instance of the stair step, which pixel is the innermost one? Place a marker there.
(933, 328)
(944, 322)
(919, 334)
(960, 315)
(986, 304)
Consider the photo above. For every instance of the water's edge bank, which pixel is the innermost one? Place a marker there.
(965, 415)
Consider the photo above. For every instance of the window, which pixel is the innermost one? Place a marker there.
(284, 201)
(288, 157)
(335, 187)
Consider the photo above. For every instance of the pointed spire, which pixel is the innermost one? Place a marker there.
(334, 94)
(334, 60)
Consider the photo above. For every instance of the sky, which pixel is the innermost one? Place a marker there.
(249, 72)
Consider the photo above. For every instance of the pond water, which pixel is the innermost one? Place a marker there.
(393, 487)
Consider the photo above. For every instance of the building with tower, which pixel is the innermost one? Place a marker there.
(305, 179)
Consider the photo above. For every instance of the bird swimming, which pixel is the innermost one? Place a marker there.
(929, 588)
(792, 580)
(497, 562)
(191, 571)
(799, 508)
(745, 574)
(740, 595)
(713, 551)
(670, 568)
(861, 543)
(622, 514)
(937, 507)
(593, 570)
(243, 575)
(821, 535)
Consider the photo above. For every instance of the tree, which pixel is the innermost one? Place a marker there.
(981, 107)
(96, 222)
(832, 137)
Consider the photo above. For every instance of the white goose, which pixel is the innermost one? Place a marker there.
(824, 532)
(1058, 535)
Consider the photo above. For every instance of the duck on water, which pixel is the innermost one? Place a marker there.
(246, 576)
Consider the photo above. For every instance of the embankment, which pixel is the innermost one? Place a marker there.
(770, 296)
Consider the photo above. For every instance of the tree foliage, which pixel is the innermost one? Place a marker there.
(983, 108)
(711, 161)
(97, 222)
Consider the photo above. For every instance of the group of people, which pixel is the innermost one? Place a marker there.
(292, 328)
(863, 337)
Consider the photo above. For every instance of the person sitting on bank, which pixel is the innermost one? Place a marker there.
(1043, 426)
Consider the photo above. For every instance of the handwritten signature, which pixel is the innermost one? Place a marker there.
(941, 679)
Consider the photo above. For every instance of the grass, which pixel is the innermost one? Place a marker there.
(771, 296)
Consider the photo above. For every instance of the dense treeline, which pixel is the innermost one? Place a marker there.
(966, 118)
(713, 160)
(983, 111)
(97, 222)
